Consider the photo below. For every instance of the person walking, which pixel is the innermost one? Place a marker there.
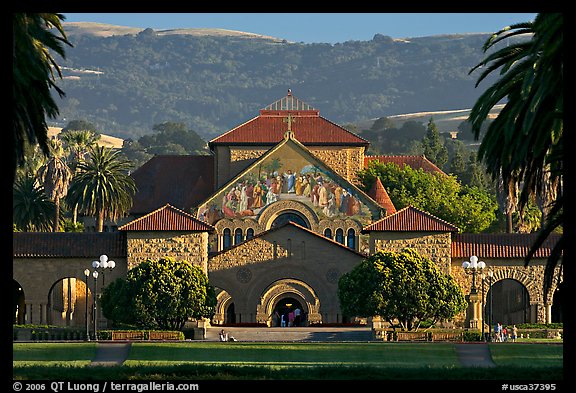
(514, 333)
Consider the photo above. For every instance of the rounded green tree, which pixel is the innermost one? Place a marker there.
(160, 294)
(401, 287)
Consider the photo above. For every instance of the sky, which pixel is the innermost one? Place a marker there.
(317, 27)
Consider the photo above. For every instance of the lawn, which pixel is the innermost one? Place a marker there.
(286, 361)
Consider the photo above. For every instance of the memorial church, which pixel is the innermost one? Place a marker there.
(275, 216)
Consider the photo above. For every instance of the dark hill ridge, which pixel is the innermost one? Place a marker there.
(124, 80)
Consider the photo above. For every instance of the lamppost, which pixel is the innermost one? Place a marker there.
(87, 275)
(94, 297)
(490, 275)
(102, 263)
(474, 267)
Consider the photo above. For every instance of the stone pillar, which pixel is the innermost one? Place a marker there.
(474, 311)
(43, 314)
(28, 315)
(548, 313)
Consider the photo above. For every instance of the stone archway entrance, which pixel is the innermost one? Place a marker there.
(510, 303)
(285, 295)
(282, 311)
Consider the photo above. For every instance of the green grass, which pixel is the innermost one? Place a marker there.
(285, 361)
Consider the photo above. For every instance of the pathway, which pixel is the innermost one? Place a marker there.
(474, 355)
(111, 354)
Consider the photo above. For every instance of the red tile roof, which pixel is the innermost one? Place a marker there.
(308, 126)
(379, 194)
(499, 245)
(167, 218)
(181, 181)
(411, 219)
(415, 162)
(68, 244)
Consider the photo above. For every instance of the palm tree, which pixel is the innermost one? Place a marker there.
(77, 142)
(33, 69)
(56, 177)
(102, 186)
(31, 208)
(526, 139)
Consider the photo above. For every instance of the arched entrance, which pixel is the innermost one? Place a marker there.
(557, 304)
(284, 313)
(18, 304)
(509, 304)
(67, 303)
(285, 295)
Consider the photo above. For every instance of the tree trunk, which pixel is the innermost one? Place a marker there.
(56, 215)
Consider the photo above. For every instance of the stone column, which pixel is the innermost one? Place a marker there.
(474, 311)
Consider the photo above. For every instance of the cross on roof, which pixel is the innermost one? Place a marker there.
(289, 120)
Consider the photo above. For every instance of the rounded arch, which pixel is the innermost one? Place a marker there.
(223, 303)
(18, 304)
(284, 289)
(271, 212)
(69, 302)
(508, 303)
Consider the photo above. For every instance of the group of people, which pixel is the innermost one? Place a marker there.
(504, 333)
(289, 318)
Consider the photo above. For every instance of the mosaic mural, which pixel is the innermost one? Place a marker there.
(285, 174)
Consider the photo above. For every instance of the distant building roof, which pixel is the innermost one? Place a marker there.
(167, 218)
(410, 219)
(181, 181)
(415, 162)
(308, 126)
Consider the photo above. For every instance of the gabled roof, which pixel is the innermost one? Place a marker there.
(167, 218)
(500, 245)
(410, 219)
(308, 126)
(181, 181)
(415, 162)
(68, 244)
(379, 194)
(288, 224)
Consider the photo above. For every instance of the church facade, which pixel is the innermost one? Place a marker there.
(275, 217)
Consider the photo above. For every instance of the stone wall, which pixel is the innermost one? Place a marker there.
(248, 271)
(433, 245)
(190, 246)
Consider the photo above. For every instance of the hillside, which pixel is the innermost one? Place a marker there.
(446, 121)
(125, 80)
(105, 140)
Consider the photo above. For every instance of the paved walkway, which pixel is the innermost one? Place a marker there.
(469, 354)
(474, 355)
(111, 354)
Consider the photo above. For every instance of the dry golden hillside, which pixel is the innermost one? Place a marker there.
(105, 140)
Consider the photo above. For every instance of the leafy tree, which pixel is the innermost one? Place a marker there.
(402, 287)
(33, 69)
(161, 294)
(173, 138)
(102, 186)
(80, 125)
(469, 208)
(31, 208)
(524, 144)
(433, 145)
